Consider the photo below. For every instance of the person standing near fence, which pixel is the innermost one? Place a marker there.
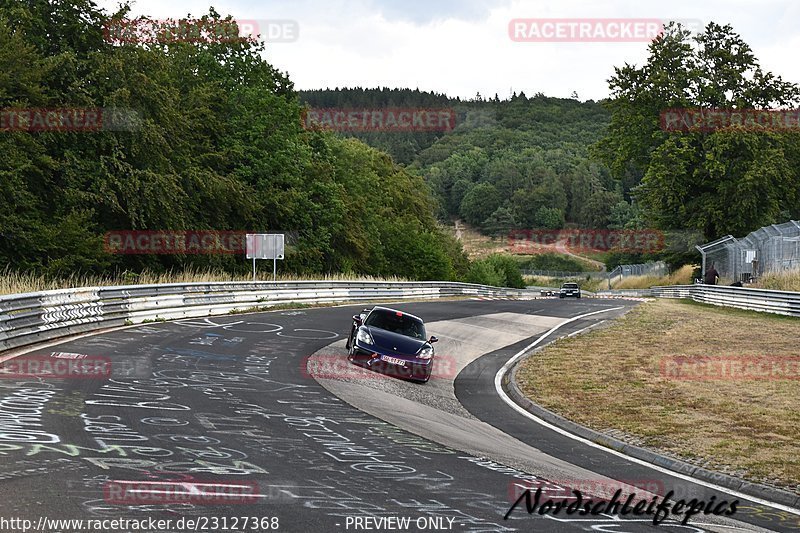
(711, 275)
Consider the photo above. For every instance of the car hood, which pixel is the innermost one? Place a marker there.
(394, 343)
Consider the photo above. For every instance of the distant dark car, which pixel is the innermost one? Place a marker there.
(569, 289)
(392, 342)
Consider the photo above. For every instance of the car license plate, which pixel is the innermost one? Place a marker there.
(393, 360)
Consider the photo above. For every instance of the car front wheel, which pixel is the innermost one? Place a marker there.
(349, 339)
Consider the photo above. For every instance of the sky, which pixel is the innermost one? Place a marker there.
(463, 47)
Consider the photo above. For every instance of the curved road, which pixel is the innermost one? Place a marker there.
(195, 410)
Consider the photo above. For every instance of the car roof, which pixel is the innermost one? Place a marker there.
(396, 311)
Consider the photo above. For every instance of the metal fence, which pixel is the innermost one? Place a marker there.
(774, 248)
(564, 274)
(658, 269)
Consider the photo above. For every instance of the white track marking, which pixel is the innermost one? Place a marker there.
(584, 329)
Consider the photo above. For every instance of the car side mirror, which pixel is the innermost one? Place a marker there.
(433, 339)
(357, 319)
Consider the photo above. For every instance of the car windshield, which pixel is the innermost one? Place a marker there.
(396, 322)
(570, 286)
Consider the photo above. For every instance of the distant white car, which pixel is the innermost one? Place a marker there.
(569, 289)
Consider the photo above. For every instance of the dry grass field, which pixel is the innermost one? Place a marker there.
(612, 379)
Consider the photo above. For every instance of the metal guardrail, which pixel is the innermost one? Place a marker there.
(31, 318)
(36, 317)
(766, 301)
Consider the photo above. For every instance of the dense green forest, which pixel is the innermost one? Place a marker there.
(402, 146)
(220, 146)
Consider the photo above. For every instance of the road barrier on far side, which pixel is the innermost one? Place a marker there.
(32, 318)
(765, 301)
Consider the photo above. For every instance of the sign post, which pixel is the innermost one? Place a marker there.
(265, 246)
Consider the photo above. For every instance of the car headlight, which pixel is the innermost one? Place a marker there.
(426, 352)
(364, 336)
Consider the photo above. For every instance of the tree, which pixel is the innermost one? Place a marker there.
(219, 145)
(718, 182)
(508, 267)
(527, 202)
(457, 192)
(496, 270)
(597, 211)
(480, 202)
(500, 222)
(623, 216)
(548, 218)
(584, 182)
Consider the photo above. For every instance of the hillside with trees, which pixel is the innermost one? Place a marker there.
(520, 162)
(539, 162)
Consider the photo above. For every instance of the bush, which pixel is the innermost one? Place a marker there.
(509, 268)
(497, 270)
(483, 273)
(551, 261)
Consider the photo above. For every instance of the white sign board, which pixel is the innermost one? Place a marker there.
(265, 246)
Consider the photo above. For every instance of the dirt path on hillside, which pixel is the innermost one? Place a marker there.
(459, 233)
(477, 245)
(561, 247)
